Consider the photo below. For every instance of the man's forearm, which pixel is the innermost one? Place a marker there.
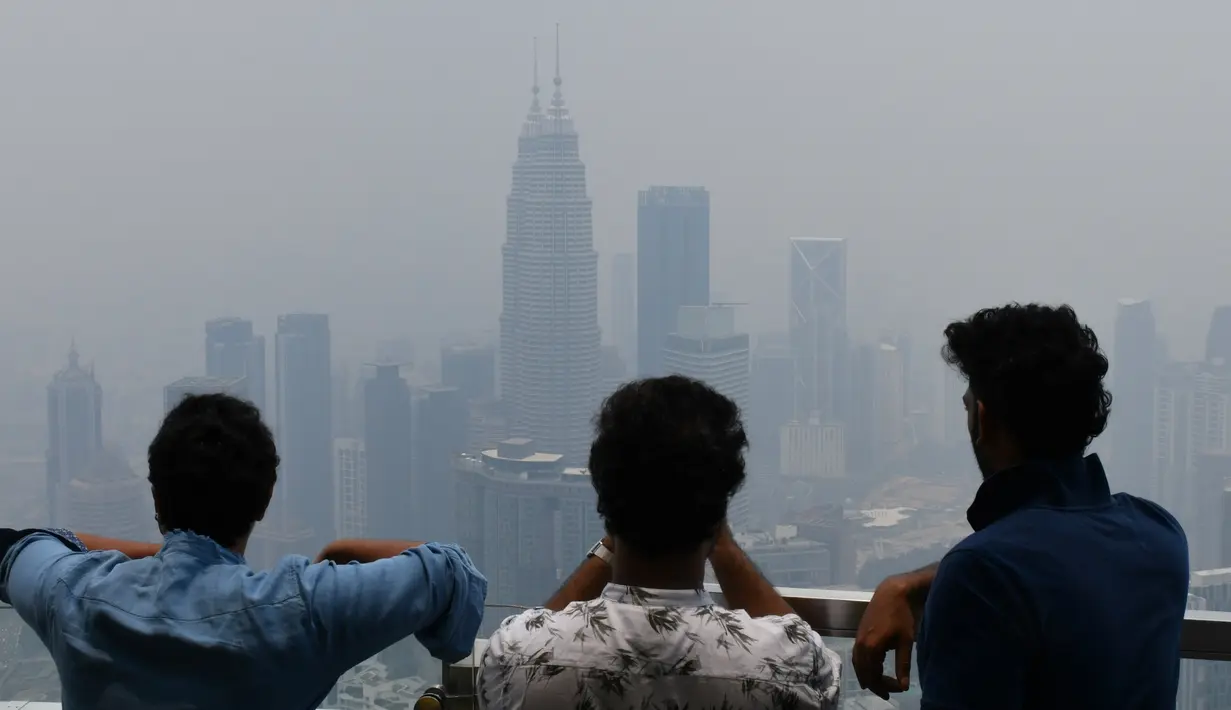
(584, 584)
(357, 550)
(129, 548)
(917, 583)
(743, 585)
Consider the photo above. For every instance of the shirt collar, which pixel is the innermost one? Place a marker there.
(1074, 482)
(642, 596)
(198, 546)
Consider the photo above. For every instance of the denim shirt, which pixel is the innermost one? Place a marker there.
(194, 627)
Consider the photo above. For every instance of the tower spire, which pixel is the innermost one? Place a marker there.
(534, 90)
(73, 358)
(557, 98)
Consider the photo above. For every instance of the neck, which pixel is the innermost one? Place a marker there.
(238, 548)
(682, 571)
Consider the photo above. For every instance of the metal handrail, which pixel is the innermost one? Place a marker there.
(1206, 635)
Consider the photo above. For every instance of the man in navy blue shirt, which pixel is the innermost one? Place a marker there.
(1065, 596)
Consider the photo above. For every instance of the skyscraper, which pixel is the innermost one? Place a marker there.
(442, 429)
(673, 265)
(624, 307)
(549, 334)
(817, 321)
(231, 350)
(889, 401)
(74, 426)
(304, 494)
(388, 433)
(1133, 381)
(771, 403)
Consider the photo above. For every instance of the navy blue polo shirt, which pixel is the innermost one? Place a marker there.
(1065, 596)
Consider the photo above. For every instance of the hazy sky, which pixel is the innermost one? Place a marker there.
(162, 162)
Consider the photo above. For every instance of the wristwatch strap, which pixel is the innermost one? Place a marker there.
(600, 551)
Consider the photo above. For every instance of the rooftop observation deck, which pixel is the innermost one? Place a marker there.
(833, 613)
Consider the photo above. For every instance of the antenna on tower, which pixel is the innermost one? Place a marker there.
(534, 90)
(557, 81)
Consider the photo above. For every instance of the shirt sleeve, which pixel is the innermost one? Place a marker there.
(28, 561)
(974, 644)
(501, 659)
(433, 592)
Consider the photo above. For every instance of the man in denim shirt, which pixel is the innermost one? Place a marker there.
(189, 624)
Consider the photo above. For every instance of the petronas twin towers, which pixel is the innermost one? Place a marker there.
(549, 334)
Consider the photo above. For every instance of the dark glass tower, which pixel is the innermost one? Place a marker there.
(673, 265)
(74, 426)
(388, 434)
(304, 494)
(231, 351)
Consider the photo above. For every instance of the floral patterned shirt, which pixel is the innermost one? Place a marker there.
(656, 649)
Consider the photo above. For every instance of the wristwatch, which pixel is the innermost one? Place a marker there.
(600, 551)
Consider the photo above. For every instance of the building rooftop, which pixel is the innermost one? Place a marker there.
(206, 383)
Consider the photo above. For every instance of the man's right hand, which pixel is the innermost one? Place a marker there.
(889, 623)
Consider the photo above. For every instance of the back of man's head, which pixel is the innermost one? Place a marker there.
(1038, 371)
(667, 457)
(213, 465)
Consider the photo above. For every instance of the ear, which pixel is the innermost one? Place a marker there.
(981, 418)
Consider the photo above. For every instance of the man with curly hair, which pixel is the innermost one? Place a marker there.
(188, 624)
(633, 626)
(1064, 596)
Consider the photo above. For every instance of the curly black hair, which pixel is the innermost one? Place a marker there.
(213, 465)
(1038, 371)
(667, 457)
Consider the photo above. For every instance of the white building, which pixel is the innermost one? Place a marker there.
(813, 450)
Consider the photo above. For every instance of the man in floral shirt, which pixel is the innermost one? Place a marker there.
(633, 626)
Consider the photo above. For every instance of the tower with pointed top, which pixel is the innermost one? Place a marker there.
(74, 428)
(549, 334)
